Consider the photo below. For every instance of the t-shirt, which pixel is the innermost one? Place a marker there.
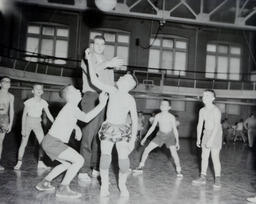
(35, 107)
(65, 122)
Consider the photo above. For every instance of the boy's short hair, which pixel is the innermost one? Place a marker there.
(100, 37)
(37, 84)
(211, 91)
(63, 92)
(167, 100)
(5, 77)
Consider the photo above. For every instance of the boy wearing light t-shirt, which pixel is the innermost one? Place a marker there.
(54, 143)
(31, 120)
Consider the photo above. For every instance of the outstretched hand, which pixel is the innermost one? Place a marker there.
(78, 134)
(116, 62)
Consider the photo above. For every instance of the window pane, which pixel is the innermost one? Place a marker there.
(167, 59)
(181, 44)
(109, 51)
(154, 57)
(156, 42)
(223, 49)
(221, 106)
(235, 50)
(61, 50)
(122, 52)
(180, 63)
(34, 29)
(47, 47)
(210, 66)
(62, 32)
(109, 37)
(211, 48)
(123, 38)
(32, 46)
(93, 34)
(48, 31)
(222, 67)
(234, 68)
(168, 43)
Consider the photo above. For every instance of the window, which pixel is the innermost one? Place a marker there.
(117, 44)
(223, 61)
(49, 41)
(168, 53)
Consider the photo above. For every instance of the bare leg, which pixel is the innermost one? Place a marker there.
(105, 161)
(205, 160)
(124, 164)
(175, 158)
(146, 152)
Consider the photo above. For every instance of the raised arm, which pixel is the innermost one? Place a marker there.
(94, 79)
(87, 117)
(11, 113)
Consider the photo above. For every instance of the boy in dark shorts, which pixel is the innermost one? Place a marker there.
(59, 134)
(167, 135)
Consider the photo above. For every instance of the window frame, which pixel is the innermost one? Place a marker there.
(174, 49)
(40, 36)
(229, 55)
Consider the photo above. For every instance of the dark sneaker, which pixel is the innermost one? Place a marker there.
(45, 186)
(65, 192)
(200, 181)
(217, 183)
(138, 170)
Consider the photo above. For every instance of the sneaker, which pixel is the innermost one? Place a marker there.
(1, 168)
(104, 192)
(45, 185)
(179, 175)
(84, 177)
(200, 181)
(95, 173)
(217, 183)
(18, 165)
(138, 170)
(252, 199)
(124, 191)
(65, 192)
(41, 165)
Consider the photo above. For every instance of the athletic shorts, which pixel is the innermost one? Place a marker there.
(162, 138)
(53, 146)
(4, 123)
(115, 133)
(217, 141)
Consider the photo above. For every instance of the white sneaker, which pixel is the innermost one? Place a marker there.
(84, 177)
(41, 165)
(95, 173)
(18, 165)
(252, 199)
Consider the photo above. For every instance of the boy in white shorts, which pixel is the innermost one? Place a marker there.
(31, 121)
(167, 135)
(54, 143)
(115, 130)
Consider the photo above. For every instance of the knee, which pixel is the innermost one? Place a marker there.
(205, 157)
(105, 161)
(79, 160)
(124, 165)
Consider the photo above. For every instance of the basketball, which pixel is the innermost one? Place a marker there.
(105, 5)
